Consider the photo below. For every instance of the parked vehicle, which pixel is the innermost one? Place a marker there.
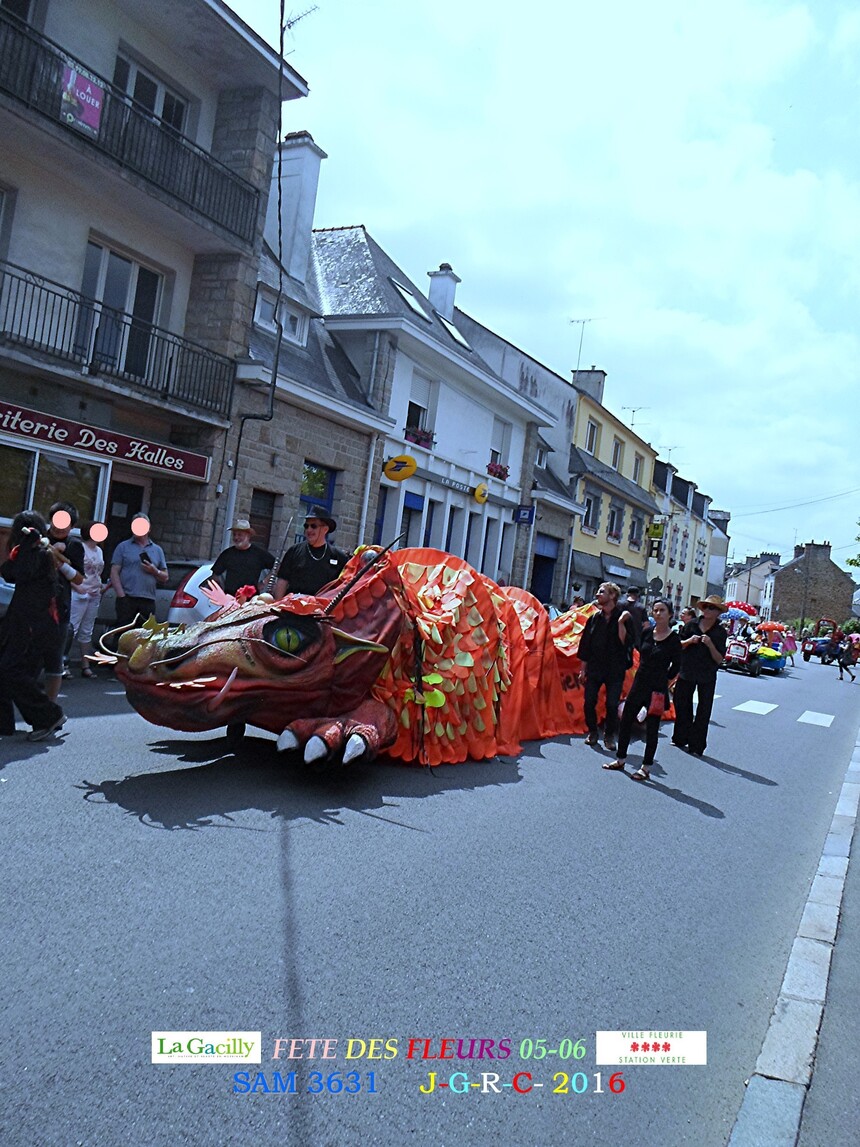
(742, 654)
(823, 642)
(178, 600)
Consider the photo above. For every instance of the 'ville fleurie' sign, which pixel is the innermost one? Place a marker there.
(38, 427)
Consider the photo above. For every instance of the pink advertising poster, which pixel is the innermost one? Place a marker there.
(82, 102)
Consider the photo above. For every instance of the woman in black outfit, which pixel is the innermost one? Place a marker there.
(30, 628)
(659, 660)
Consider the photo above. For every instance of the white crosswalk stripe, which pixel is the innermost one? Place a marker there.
(760, 707)
(811, 718)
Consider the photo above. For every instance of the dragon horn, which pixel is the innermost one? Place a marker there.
(341, 594)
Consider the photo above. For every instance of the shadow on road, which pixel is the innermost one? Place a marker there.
(257, 777)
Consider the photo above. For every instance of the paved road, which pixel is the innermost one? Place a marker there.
(159, 882)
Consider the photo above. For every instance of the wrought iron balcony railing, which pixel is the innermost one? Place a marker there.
(40, 74)
(46, 317)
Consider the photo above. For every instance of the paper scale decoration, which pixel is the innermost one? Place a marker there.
(422, 658)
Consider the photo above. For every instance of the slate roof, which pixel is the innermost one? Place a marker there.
(583, 463)
(353, 279)
(322, 364)
(546, 479)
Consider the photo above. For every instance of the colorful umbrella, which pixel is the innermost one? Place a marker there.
(733, 614)
(772, 627)
(748, 609)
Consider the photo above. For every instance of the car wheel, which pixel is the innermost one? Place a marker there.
(806, 656)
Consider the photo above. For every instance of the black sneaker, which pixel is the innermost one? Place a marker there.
(591, 739)
(610, 744)
(41, 734)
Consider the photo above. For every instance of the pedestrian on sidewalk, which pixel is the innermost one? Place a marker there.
(86, 597)
(606, 653)
(703, 645)
(659, 660)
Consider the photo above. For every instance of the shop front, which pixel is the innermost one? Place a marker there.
(107, 476)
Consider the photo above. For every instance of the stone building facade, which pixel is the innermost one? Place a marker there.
(809, 586)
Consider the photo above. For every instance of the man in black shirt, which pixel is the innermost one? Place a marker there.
(638, 614)
(703, 646)
(313, 563)
(244, 561)
(604, 650)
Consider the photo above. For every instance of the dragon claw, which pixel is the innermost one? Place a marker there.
(355, 748)
(287, 741)
(315, 749)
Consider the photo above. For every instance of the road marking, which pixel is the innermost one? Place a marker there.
(810, 718)
(760, 707)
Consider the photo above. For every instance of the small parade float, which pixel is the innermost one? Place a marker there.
(743, 645)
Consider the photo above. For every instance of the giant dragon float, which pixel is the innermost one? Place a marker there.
(411, 653)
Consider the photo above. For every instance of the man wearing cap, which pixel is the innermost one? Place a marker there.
(244, 561)
(313, 563)
(703, 647)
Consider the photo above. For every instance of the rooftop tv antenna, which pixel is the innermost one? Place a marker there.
(634, 410)
(291, 21)
(582, 323)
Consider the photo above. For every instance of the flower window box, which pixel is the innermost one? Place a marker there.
(498, 470)
(420, 437)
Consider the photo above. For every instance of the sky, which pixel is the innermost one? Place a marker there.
(686, 177)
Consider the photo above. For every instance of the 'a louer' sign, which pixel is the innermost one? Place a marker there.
(39, 427)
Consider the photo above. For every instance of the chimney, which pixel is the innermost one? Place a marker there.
(798, 552)
(443, 287)
(300, 173)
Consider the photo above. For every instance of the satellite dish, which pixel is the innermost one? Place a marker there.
(655, 584)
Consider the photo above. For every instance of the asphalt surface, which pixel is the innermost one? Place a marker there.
(158, 881)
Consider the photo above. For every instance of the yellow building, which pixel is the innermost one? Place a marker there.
(613, 470)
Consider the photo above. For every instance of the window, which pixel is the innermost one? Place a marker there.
(617, 453)
(615, 524)
(293, 322)
(262, 516)
(673, 546)
(318, 485)
(410, 299)
(19, 8)
(419, 427)
(591, 518)
(150, 94)
(637, 468)
(540, 457)
(500, 442)
(451, 329)
(40, 477)
(637, 530)
(701, 551)
(592, 436)
(114, 332)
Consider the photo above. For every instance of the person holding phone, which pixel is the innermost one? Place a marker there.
(137, 568)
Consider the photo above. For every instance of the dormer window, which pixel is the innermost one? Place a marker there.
(540, 458)
(411, 300)
(294, 323)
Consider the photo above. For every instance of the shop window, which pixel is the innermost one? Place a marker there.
(17, 468)
(63, 479)
(318, 485)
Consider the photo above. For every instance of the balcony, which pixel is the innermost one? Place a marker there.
(48, 318)
(40, 75)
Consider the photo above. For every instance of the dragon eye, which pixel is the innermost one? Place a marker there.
(289, 636)
(287, 639)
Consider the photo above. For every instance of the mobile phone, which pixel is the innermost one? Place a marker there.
(144, 557)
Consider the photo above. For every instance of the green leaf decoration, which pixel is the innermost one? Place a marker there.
(434, 699)
(464, 659)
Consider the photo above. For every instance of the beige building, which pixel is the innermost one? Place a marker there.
(680, 560)
(613, 471)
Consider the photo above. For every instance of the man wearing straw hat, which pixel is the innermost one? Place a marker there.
(244, 562)
(703, 646)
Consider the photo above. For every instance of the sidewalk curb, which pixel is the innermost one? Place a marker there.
(773, 1102)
